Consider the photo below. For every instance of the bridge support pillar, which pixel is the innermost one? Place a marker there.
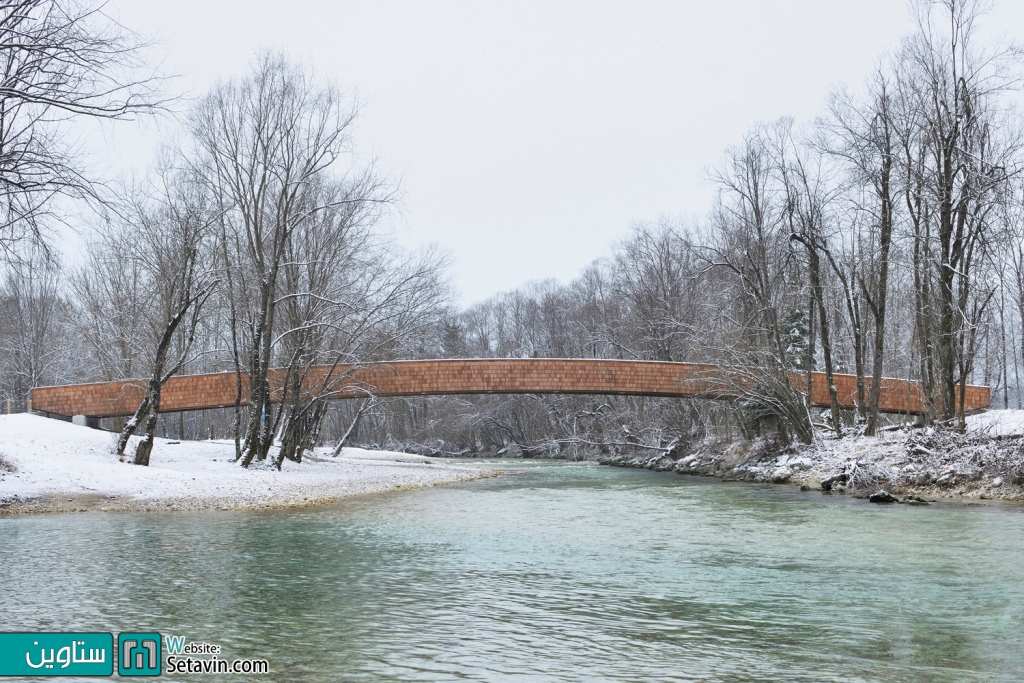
(86, 421)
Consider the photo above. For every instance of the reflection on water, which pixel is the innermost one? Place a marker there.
(554, 573)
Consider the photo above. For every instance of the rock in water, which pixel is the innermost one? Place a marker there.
(914, 500)
(883, 497)
(662, 464)
(827, 484)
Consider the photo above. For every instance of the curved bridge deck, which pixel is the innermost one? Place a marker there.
(479, 376)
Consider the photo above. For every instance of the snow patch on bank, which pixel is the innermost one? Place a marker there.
(55, 458)
(997, 423)
(985, 462)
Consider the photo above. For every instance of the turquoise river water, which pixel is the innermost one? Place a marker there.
(554, 572)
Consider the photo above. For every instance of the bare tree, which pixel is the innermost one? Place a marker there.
(169, 231)
(655, 271)
(968, 154)
(268, 145)
(111, 295)
(60, 60)
(806, 200)
(35, 339)
(347, 296)
(863, 136)
(752, 245)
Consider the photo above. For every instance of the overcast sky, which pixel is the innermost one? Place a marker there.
(529, 136)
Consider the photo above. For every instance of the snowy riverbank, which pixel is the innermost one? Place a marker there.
(52, 466)
(987, 462)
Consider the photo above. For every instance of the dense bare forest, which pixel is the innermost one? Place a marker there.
(883, 238)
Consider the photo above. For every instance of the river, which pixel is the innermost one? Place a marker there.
(555, 572)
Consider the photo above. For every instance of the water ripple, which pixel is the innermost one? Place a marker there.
(559, 573)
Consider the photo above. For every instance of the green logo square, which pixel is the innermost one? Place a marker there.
(56, 654)
(139, 654)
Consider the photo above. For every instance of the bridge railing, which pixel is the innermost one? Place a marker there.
(11, 406)
(481, 376)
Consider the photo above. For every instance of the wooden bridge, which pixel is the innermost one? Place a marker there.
(479, 376)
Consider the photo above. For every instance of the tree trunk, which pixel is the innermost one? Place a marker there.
(879, 302)
(145, 447)
(131, 425)
(826, 346)
(814, 273)
(923, 318)
(363, 407)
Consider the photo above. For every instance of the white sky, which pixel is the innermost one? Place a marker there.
(529, 135)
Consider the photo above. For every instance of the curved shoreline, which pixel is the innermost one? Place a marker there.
(53, 467)
(49, 466)
(59, 503)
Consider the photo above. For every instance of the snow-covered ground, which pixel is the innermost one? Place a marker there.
(58, 466)
(985, 462)
(997, 423)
